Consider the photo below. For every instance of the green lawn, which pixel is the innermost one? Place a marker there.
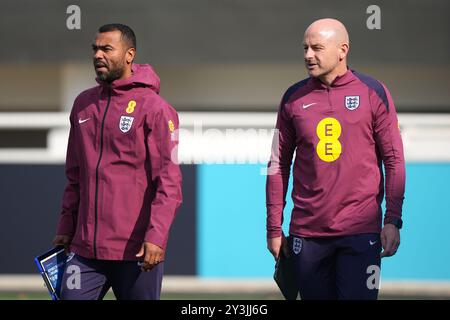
(203, 296)
(167, 296)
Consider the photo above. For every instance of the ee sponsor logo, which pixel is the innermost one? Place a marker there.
(329, 148)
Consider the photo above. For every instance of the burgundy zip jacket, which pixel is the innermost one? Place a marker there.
(124, 182)
(342, 135)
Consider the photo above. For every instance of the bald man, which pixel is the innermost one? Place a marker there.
(343, 127)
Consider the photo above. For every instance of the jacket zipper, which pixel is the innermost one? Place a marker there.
(96, 174)
(329, 98)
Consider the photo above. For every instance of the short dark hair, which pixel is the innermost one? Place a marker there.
(127, 33)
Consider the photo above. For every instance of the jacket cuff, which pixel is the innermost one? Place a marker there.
(274, 220)
(274, 233)
(156, 238)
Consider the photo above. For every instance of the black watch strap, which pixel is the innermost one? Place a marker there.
(395, 221)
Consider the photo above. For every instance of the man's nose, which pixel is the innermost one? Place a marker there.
(98, 54)
(309, 53)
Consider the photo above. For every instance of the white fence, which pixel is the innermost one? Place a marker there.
(222, 137)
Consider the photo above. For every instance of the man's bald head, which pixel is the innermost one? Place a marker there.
(329, 29)
(326, 44)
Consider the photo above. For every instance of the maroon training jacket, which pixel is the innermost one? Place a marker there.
(341, 135)
(124, 182)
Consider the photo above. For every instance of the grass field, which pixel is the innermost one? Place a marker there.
(207, 296)
(167, 296)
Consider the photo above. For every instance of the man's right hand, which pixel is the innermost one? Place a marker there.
(62, 240)
(276, 244)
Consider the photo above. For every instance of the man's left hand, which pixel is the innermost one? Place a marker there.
(390, 240)
(152, 254)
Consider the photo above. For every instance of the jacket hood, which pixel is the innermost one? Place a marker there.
(143, 76)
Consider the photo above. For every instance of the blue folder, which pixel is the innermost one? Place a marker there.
(51, 265)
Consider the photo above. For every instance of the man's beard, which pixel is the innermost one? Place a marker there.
(112, 74)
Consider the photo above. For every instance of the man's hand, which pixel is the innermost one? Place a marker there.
(62, 240)
(152, 254)
(276, 244)
(390, 240)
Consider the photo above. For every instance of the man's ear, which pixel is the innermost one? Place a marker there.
(343, 51)
(131, 53)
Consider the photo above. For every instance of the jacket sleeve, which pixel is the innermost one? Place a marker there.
(166, 178)
(71, 196)
(389, 144)
(283, 147)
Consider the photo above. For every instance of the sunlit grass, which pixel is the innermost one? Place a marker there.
(201, 296)
(164, 296)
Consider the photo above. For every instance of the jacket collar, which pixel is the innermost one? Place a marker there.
(337, 82)
(143, 75)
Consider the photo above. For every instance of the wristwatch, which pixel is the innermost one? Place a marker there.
(395, 221)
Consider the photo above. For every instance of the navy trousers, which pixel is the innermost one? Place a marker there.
(89, 279)
(337, 267)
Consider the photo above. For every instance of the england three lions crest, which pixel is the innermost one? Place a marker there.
(125, 123)
(297, 245)
(351, 102)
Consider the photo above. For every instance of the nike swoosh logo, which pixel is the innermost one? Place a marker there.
(83, 120)
(372, 242)
(308, 105)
